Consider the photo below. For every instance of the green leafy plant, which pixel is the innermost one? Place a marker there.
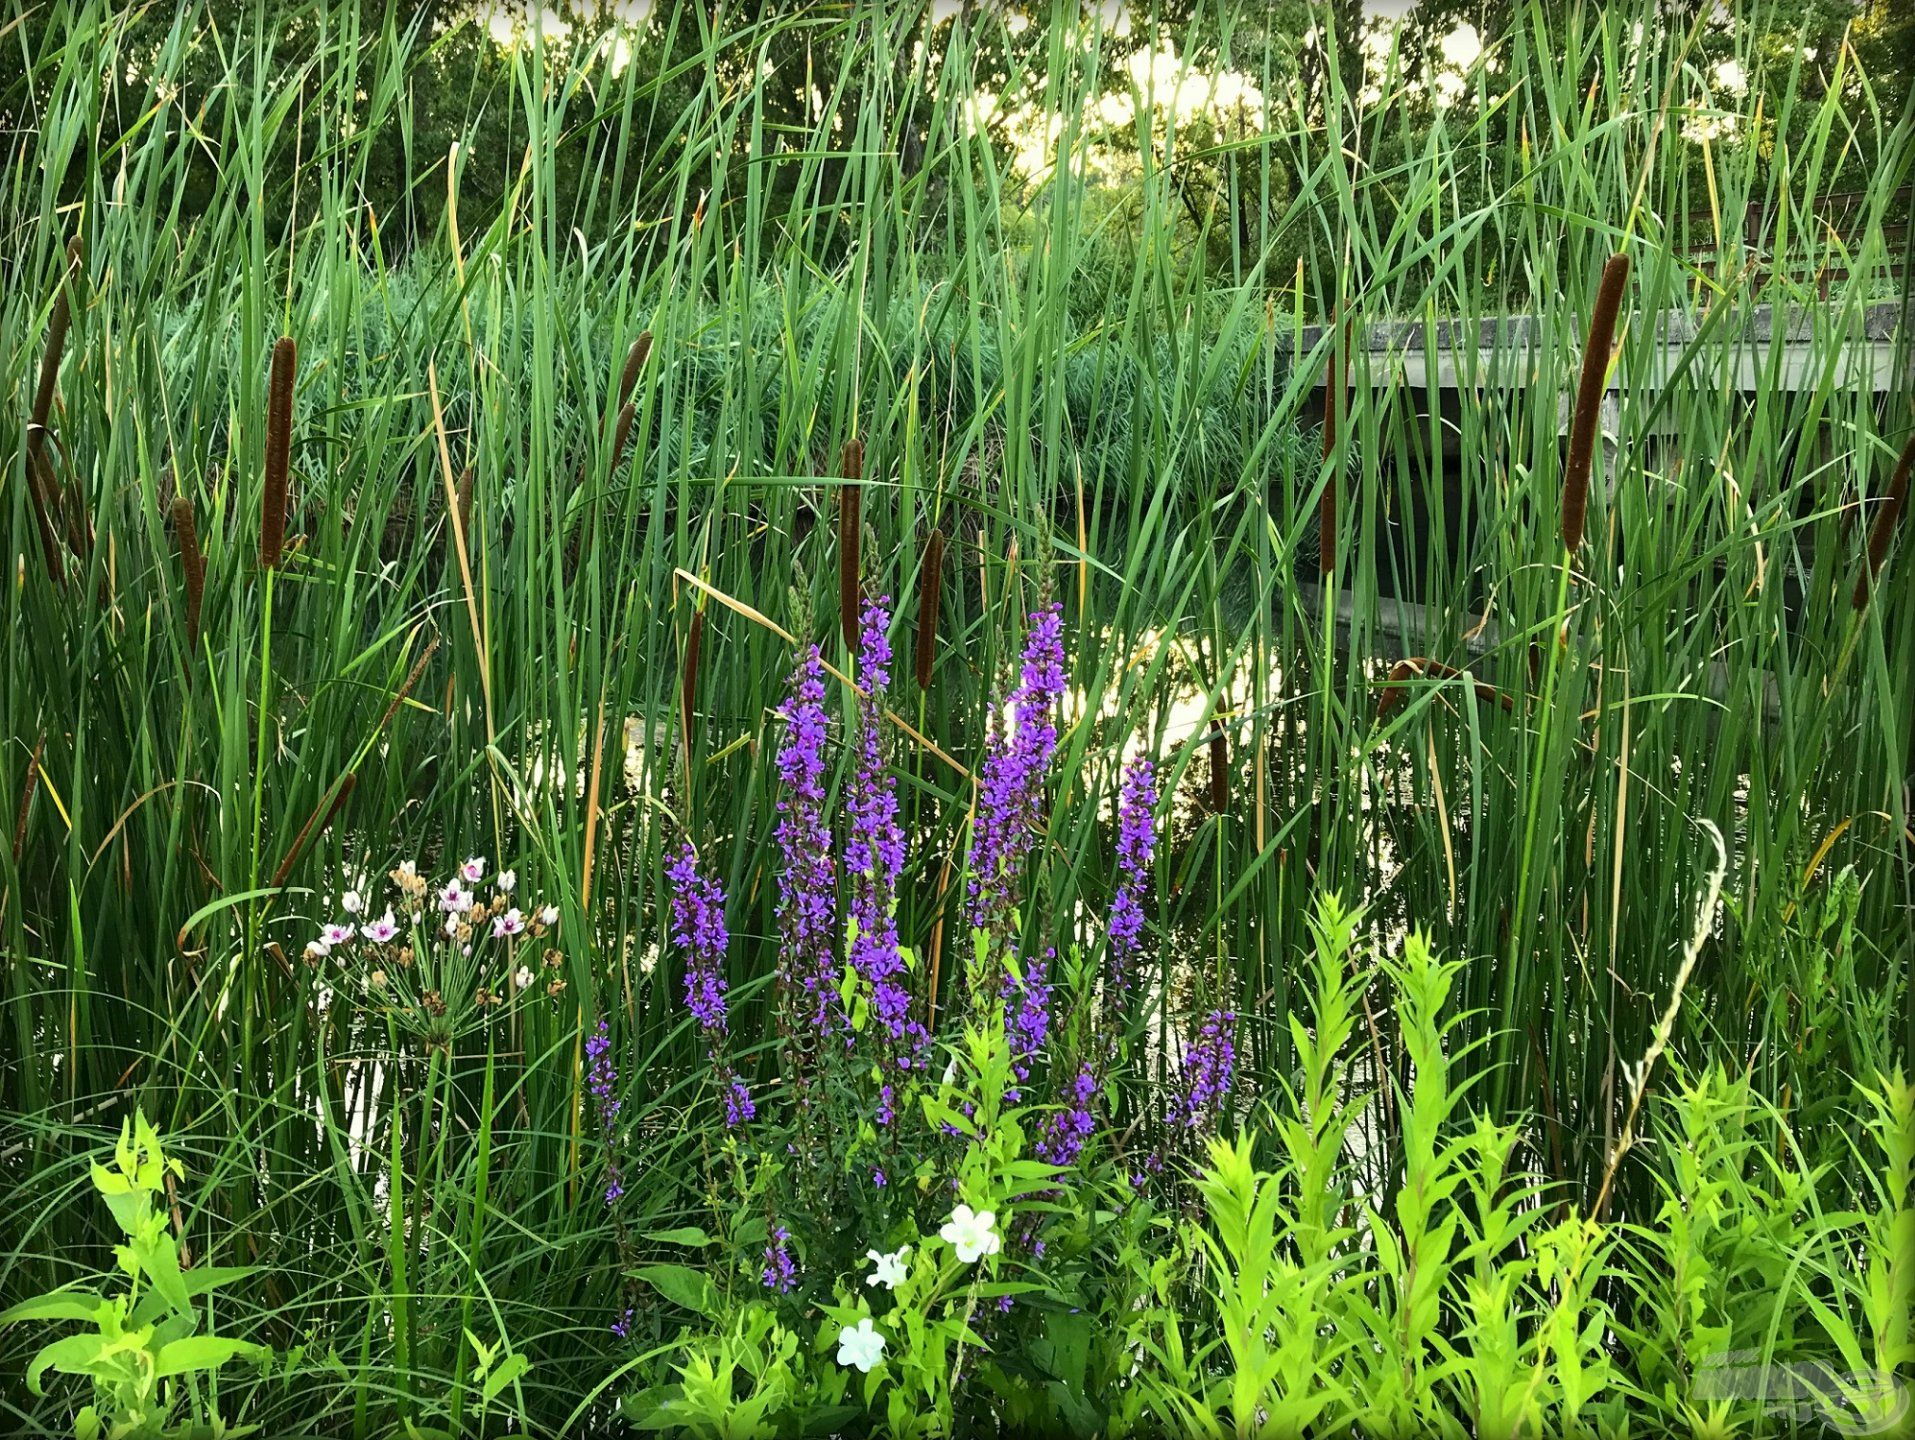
(151, 1366)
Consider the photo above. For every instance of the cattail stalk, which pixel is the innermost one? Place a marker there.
(930, 577)
(1395, 691)
(42, 487)
(850, 536)
(1883, 531)
(192, 564)
(279, 436)
(1219, 771)
(412, 679)
(1589, 393)
(1327, 507)
(316, 823)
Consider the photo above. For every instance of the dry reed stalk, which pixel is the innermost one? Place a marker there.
(316, 823)
(1589, 393)
(850, 536)
(192, 564)
(279, 437)
(1219, 771)
(1883, 531)
(930, 578)
(1327, 507)
(1395, 693)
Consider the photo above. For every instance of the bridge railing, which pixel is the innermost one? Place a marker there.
(1741, 245)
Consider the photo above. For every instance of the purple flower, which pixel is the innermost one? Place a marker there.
(698, 928)
(1011, 781)
(877, 1179)
(1136, 838)
(781, 1271)
(1061, 1138)
(622, 1327)
(602, 1080)
(874, 852)
(807, 882)
(1027, 1018)
(1210, 1065)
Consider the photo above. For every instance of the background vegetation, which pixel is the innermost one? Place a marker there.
(1066, 310)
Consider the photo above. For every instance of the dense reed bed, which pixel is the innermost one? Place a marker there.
(329, 556)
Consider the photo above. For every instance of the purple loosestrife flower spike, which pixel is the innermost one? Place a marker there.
(807, 885)
(1136, 839)
(602, 1080)
(1061, 1140)
(1210, 1065)
(874, 852)
(781, 1271)
(1011, 782)
(1027, 1019)
(698, 928)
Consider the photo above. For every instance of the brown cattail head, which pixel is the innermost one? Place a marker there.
(688, 681)
(279, 439)
(930, 582)
(1219, 771)
(57, 324)
(622, 429)
(1882, 533)
(1589, 393)
(1327, 507)
(634, 362)
(192, 564)
(464, 498)
(850, 537)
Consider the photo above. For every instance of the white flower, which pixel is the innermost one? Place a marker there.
(549, 916)
(523, 977)
(335, 935)
(352, 902)
(455, 898)
(971, 1235)
(473, 871)
(507, 879)
(890, 1268)
(381, 930)
(452, 924)
(510, 923)
(950, 1072)
(317, 949)
(408, 868)
(861, 1345)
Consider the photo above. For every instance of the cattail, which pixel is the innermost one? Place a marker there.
(1327, 508)
(279, 436)
(464, 498)
(42, 487)
(1883, 531)
(622, 430)
(688, 681)
(316, 823)
(412, 679)
(850, 534)
(192, 564)
(27, 788)
(634, 362)
(1589, 393)
(1219, 771)
(1403, 671)
(930, 575)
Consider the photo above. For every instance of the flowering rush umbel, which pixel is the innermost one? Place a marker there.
(874, 850)
(807, 882)
(1136, 839)
(698, 928)
(1011, 782)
